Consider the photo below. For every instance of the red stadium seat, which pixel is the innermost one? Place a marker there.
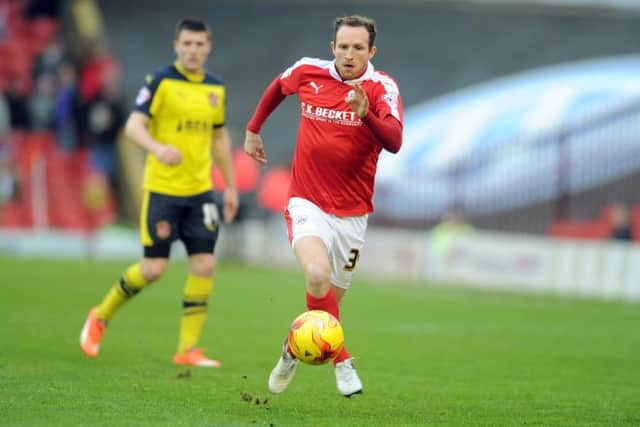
(599, 228)
(575, 229)
(16, 10)
(274, 189)
(247, 173)
(43, 30)
(15, 214)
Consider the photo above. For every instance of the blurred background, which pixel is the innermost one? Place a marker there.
(521, 154)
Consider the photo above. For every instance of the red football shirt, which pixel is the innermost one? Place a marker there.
(336, 155)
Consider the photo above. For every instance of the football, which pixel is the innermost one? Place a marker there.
(315, 337)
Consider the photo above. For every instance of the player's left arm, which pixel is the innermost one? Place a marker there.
(221, 150)
(381, 121)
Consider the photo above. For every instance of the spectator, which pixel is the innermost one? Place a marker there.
(106, 117)
(17, 102)
(96, 70)
(4, 20)
(66, 106)
(5, 118)
(620, 224)
(40, 104)
(8, 179)
(51, 59)
(452, 225)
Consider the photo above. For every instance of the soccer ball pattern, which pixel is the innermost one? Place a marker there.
(315, 337)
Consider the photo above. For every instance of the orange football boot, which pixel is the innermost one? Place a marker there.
(195, 357)
(92, 334)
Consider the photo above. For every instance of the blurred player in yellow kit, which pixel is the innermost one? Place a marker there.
(179, 120)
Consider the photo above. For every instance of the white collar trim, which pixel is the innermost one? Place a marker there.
(367, 75)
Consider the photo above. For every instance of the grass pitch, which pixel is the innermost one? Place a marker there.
(426, 355)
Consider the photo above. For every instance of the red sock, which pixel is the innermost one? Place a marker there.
(328, 303)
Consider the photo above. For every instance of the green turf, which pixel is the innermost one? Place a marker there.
(426, 355)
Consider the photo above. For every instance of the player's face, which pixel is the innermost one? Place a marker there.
(192, 50)
(351, 50)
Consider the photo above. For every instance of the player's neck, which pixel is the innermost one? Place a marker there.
(352, 78)
(191, 75)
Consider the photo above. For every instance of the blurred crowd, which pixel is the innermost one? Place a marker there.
(59, 89)
(46, 86)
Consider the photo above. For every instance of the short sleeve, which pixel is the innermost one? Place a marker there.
(147, 95)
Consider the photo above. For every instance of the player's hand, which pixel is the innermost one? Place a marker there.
(254, 147)
(358, 101)
(167, 154)
(230, 201)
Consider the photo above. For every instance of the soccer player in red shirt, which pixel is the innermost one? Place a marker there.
(349, 112)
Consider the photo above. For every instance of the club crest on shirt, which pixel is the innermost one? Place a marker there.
(213, 99)
(163, 230)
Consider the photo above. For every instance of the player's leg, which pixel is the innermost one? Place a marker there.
(133, 280)
(156, 233)
(282, 374)
(312, 255)
(339, 294)
(347, 379)
(327, 272)
(305, 223)
(345, 251)
(199, 233)
(311, 236)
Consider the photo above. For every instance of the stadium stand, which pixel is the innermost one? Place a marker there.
(601, 227)
(57, 188)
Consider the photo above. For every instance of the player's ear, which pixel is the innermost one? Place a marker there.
(372, 52)
(333, 47)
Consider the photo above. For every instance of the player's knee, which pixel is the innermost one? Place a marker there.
(318, 276)
(153, 269)
(202, 265)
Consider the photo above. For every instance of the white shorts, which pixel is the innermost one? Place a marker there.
(343, 236)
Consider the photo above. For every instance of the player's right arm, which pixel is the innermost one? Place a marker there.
(271, 98)
(136, 130)
(254, 147)
(148, 101)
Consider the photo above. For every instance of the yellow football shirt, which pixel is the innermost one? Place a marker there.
(184, 109)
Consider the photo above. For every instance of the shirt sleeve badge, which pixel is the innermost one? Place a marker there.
(143, 96)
